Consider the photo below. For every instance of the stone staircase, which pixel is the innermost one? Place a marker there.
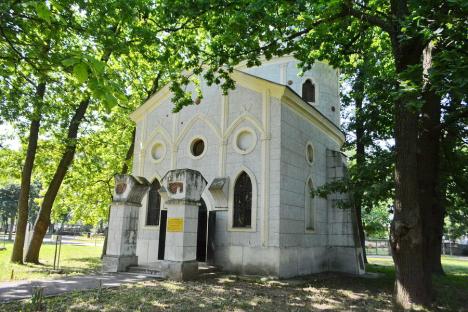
(155, 271)
(205, 268)
(146, 270)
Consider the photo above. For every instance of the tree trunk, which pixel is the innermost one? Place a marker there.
(12, 225)
(360, 155)
(430, 199)
(406, 236)
(26, 174)
(406, 229)
(43, 218)
(129, 154)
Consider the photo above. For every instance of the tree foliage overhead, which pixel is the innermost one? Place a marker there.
(71, 71)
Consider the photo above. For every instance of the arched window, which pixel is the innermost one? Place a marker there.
(154, 204)
(242, 201)
(309, 206)
(308, 91)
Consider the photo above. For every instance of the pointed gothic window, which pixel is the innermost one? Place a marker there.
(154, 204)
(308, 91)
(242, 201)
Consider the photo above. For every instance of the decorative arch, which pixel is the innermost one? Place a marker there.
(206, 196)
(198, 117)
(246, 116)
(153, 204)
(254, 199)
(144, 206)
(164, 135)
(310, 206)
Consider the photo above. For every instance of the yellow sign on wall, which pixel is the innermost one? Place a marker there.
(175, 224)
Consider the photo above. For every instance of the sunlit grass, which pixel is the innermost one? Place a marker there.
(225, 292)
(74, 259)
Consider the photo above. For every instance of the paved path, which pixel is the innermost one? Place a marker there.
(23, 289)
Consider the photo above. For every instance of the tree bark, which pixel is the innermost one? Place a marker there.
(406, 228)
(26, 174)
(129, 154)
(406, 236)
(360, 155)
(43, 218)
(12, 224)
(429, 173)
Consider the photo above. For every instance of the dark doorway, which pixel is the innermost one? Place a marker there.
(202, 231)
(162, 235)
(210, 249)
(206, 234)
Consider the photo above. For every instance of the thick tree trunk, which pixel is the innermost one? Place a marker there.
(360, 155)
(26, 174)
(43, 218)
(430, 199)
(406, 236)
(406, 229)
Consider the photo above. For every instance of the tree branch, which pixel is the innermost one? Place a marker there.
(369, 18)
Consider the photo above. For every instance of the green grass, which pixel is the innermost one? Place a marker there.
(450, 289)
(94, 238)
(74, 259)
(224, 292)
(371, 251)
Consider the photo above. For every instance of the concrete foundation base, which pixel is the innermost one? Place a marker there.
(118, 263)
(178, 270)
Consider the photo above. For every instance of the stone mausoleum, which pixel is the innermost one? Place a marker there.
(228, 180)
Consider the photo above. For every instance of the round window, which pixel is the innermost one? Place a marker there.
(197, 147)
(309, 153)
(245, 141)
(157, 151)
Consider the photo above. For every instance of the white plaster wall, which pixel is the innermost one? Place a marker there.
(217, 120)
(302, 251)
(281, 245)
(296, 132)
(325, 77)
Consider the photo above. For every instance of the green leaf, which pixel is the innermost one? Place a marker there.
(70, 61)
(80, 71)
(43, 11)
(110, 102)
(97, 66)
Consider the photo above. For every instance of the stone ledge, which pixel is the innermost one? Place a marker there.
(118, 263)
(177, 270)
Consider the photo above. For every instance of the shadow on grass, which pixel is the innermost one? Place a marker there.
(324, 292)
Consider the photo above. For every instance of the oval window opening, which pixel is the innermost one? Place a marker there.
(198, 147)
(157, 152)
(245, 140)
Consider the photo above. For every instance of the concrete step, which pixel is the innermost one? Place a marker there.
(146, 270)
(204, 268)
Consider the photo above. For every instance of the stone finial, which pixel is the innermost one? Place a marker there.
(183, 184)
(130, 189)
(219, 189)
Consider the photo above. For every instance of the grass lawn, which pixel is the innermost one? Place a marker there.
(221, 292)
(74, 259)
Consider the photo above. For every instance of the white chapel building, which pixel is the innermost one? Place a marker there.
(262, 149)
